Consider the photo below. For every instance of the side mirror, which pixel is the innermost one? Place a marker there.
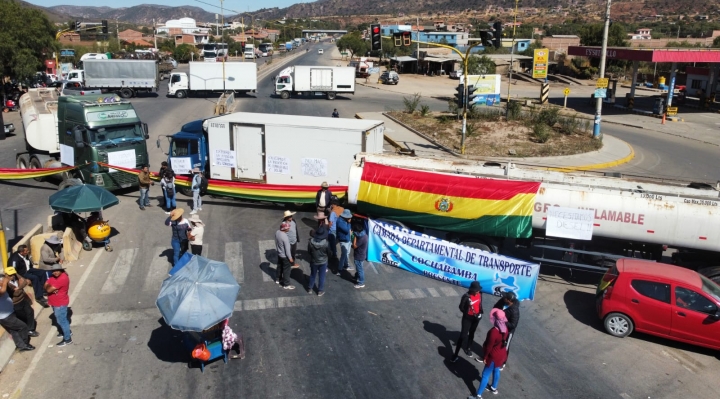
(716, 316)
(145, 129)
(78, 133)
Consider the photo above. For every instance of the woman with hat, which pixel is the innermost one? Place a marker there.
(472, 311)
(342, 230)
(319, 253)
(293, 236)
(195, 234)
(57, 286)
(180, 227)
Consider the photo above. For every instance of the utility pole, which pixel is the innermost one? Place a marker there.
(512, 52)
(117, 32)
(417, 55)
(603, 56)
(155, 33)
(222, 41)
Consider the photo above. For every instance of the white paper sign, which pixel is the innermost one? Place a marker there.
(277, 164)
(126, 159)
(225, 158)
(313, 167)
(67, 155)
(181, 165)
(570, 223)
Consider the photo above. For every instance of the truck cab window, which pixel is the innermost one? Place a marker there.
(175, 79)
(180, 148)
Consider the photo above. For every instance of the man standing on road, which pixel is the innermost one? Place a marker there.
(511, 306)
(195, 185)
(472, 311)
(343, 237)
(22, 303)
(322, 198)
(57, 287)
(285, 259)
(20, 260)
(145, 183)
(360, 249)
(319, 253)
(180, 227)
(335, 113)
(335, 211)
(17, 329)
(293, 237)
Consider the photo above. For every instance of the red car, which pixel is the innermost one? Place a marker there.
(660, 299)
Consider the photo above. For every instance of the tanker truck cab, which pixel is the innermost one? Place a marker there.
(101, 128)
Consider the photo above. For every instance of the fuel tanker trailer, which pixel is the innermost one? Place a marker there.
(580, 219)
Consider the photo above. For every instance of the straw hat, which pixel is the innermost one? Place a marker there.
(176, 213)
(196, 219)
(320, 216)
(287, 214)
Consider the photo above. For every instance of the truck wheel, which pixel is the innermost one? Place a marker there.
(284, 95)
(22, 162)
(35, 164)
(331, 95)
(713, 273)
(180, 94)
(126, 93)
(478, 244)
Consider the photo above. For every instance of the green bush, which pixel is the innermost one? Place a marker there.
(412, 103)
(548, 116)
(569, 125)
(514, 110)
(485, 114)
(541, 132)
(424, 109)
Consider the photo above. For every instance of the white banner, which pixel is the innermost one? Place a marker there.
(126, 159)
(225, 158)
(181, 165)
(570, 223)
(67, 155)
(313, 167)
(277, 164)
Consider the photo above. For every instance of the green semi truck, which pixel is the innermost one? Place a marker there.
(82, 131)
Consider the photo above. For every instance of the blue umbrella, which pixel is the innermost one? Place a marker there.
(198, 296)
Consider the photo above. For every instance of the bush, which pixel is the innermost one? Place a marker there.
(548, 116)
(541, 132)
(411, 104)
(485, 113)
(424, 110)
(470, 130)
(569, 125)
(453, 107)
(514, 110)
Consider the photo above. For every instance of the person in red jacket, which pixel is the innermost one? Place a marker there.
(494, 352)
(472, 311)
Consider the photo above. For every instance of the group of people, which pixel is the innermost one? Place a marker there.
(504, 318)
(335, 225)
(186, 234)
(17, 316)
(167, 183)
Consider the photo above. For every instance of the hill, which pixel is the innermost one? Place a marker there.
(141, 15)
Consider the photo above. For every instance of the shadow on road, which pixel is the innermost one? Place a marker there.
(581, 306)
(465, 368)
(167, 344)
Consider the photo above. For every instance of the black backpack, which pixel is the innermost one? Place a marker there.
(203, 184)
(170, 189)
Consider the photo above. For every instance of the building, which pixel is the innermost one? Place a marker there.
(184, 25)
(428, 35)
(641, 34)
(698, 80)
(520, 44)
(560, 43)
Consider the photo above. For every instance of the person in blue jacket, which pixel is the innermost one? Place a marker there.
(342, 230)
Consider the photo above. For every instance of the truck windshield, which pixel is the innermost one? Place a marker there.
(184, 147)
(115, 134)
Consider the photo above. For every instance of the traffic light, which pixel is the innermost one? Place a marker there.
(77, 26)
(460, 95)
(407, 39)
(104, 26)
(375, 37)
(242, 46)
(397, 39)
(486, 37)
(497, 41)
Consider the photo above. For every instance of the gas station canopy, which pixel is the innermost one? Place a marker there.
(649, 55)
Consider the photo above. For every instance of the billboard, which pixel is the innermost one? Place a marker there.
(540, 63)
(487, 89)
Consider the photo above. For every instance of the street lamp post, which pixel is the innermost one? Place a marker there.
(598, 104)
(510, 70)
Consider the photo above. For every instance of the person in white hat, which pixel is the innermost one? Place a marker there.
(51, 252)
(293, 236)
(285, 259)
(322, 198)
(195, 185)
(195, 234)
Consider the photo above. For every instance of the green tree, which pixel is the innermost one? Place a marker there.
(480, 65)
(27, 38)
(716, 42)
(592, 35)
(183, 52)
(353, 43)
(167, 45)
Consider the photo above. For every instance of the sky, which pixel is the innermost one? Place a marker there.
(230, 4)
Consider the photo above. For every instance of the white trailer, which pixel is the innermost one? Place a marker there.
(125, 77)
(288, 149)
(632, 216)
(315, 81)
(207, 77)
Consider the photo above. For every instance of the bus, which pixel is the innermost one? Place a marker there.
(215, 51)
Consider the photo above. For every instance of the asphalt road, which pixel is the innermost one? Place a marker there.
(391, 339)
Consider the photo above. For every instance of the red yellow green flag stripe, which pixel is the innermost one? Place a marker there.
(455, 203)
(252, 191)
(20, 174)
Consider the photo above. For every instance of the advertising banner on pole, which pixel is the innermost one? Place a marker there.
(449, 262)
(540, 63)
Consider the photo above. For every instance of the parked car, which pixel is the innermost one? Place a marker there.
(456, 74)
(320, 51)
(390, 77)
(660, 299)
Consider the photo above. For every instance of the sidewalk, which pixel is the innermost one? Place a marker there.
(613, 153)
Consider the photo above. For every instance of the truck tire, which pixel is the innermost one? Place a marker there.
(331, 95)
(35, 164)
(284, 95)
(22, 162)
(180, 94)
(126, 93)
(479, 244)
(713, 273)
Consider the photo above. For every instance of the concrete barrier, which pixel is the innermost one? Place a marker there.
(225, 104)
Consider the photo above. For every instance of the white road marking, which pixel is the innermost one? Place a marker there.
(116, 317)
(120, 271)
(372, 296)
(410, 294)
(625, 396)
(159, 268)
(449, 291)
(433, 292)
(48, 337)
(268, 259)
(234, 259)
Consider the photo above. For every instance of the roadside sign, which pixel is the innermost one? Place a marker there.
(602, 83)
(600, 93)
(672, 110)
(566, 91)
(540, 63)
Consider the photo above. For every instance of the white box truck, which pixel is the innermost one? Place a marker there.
(125, 77)
(315, 81)
(249, 51)
(207, 77)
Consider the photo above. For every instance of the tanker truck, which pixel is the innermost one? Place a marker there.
(82, 131)
(626, 216)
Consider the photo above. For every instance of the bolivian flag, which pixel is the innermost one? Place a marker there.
(448, 202)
